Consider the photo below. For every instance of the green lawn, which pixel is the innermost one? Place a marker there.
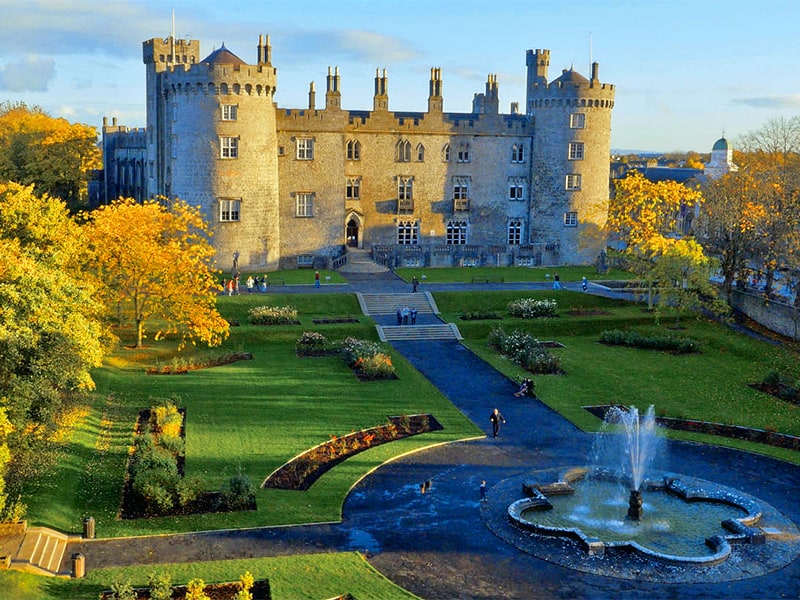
(709, 386)
(310, 576)
(251, 416)
(507, 274)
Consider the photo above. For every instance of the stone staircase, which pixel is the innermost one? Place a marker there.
(383, 305)
(360, 261)
(418, 333)
(387, 304)
(41, 552)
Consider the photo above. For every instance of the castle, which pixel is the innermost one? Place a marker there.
(285, 188)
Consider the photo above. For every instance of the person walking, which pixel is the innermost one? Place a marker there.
(483, 491)
(250, 283)
(584, 284)
(556, 282)
(414, 283)
(495, 418)
(413, 316)
(316, 279)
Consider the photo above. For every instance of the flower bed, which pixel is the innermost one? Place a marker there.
(214, 591)
(738, 432)
(302, 471)
(365, 358)
(530, 308)
(273, 315)
(179, 366)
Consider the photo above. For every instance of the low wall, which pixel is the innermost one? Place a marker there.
(776, 316)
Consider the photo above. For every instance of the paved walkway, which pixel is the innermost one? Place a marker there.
(437, 544)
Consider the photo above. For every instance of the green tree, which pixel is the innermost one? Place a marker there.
(51, 331)
(155, 261)
(51, 153)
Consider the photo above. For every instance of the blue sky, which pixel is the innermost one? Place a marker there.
(685, 71)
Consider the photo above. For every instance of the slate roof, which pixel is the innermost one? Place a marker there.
(223, 56)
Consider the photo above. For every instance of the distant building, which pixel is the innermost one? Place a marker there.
(295, 187)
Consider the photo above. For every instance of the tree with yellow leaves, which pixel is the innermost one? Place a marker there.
(643, 216)
(734, 212)
(155, 261)
(684, 271)
(54, 155)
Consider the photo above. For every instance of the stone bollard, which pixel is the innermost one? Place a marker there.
(78, 565)
(88, 528)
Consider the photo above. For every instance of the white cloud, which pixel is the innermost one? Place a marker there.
(31, 74)
(791, 102)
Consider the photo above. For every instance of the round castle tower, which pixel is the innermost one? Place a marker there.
(213, 142)
(571, 159)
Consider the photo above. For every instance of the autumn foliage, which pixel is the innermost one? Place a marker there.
(154, 259)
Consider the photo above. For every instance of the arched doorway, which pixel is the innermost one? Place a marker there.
(352, 233)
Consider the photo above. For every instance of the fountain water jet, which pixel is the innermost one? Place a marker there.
(640, 437)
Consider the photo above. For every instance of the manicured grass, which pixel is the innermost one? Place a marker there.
(507, 274)
(311, 576)
(251, 416)
(709, 386)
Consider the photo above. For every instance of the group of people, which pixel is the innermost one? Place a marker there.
(253, 283)
(525, 388)
(404, 314)
(557, 282)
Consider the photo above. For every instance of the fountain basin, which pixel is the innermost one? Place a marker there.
(685, 522)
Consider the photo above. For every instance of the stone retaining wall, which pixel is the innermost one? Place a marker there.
(776, 316)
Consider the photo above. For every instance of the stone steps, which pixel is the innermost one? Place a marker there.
(387, 304)
(360, 261)
(41, 552)
(402, 333)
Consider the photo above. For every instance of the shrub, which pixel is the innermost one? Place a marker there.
(166, 419)
(354, 349)
(378, 366)
(667, 343)
(239, 493)
(188, 490)
(246, 582)
(478, 315)
(174, 444)
(272, 315)
(525, 350)
(311, 343)
(160, 586)
(196, 590)
(773, 378)
(122, 590)
(529, 308)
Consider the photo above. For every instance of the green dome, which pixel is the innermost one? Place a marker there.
(720, 144)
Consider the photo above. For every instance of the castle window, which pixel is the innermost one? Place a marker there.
(405, 195)
(573, 182)
(420, 153)
(305, 149)
(408, 232)
(174, 146)
(514, 232)
(174, 112)
(516, 189)
(353, 150)
(570, 219)
(353, 188)
(456, 233)
(576, 150)
(403, 151)
(577, 121)
(304, 204)
(229, 112)
(229, 147)
(446, 153)
(229, 209)
(517, 153)
(463, 153)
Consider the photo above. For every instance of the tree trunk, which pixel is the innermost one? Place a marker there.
(139, 332)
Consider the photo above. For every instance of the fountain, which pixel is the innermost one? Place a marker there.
(620, 507)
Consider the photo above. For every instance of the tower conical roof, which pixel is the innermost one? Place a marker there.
(223, 56)
(571, 76)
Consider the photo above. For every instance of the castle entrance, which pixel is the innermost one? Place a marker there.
(352, 231)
